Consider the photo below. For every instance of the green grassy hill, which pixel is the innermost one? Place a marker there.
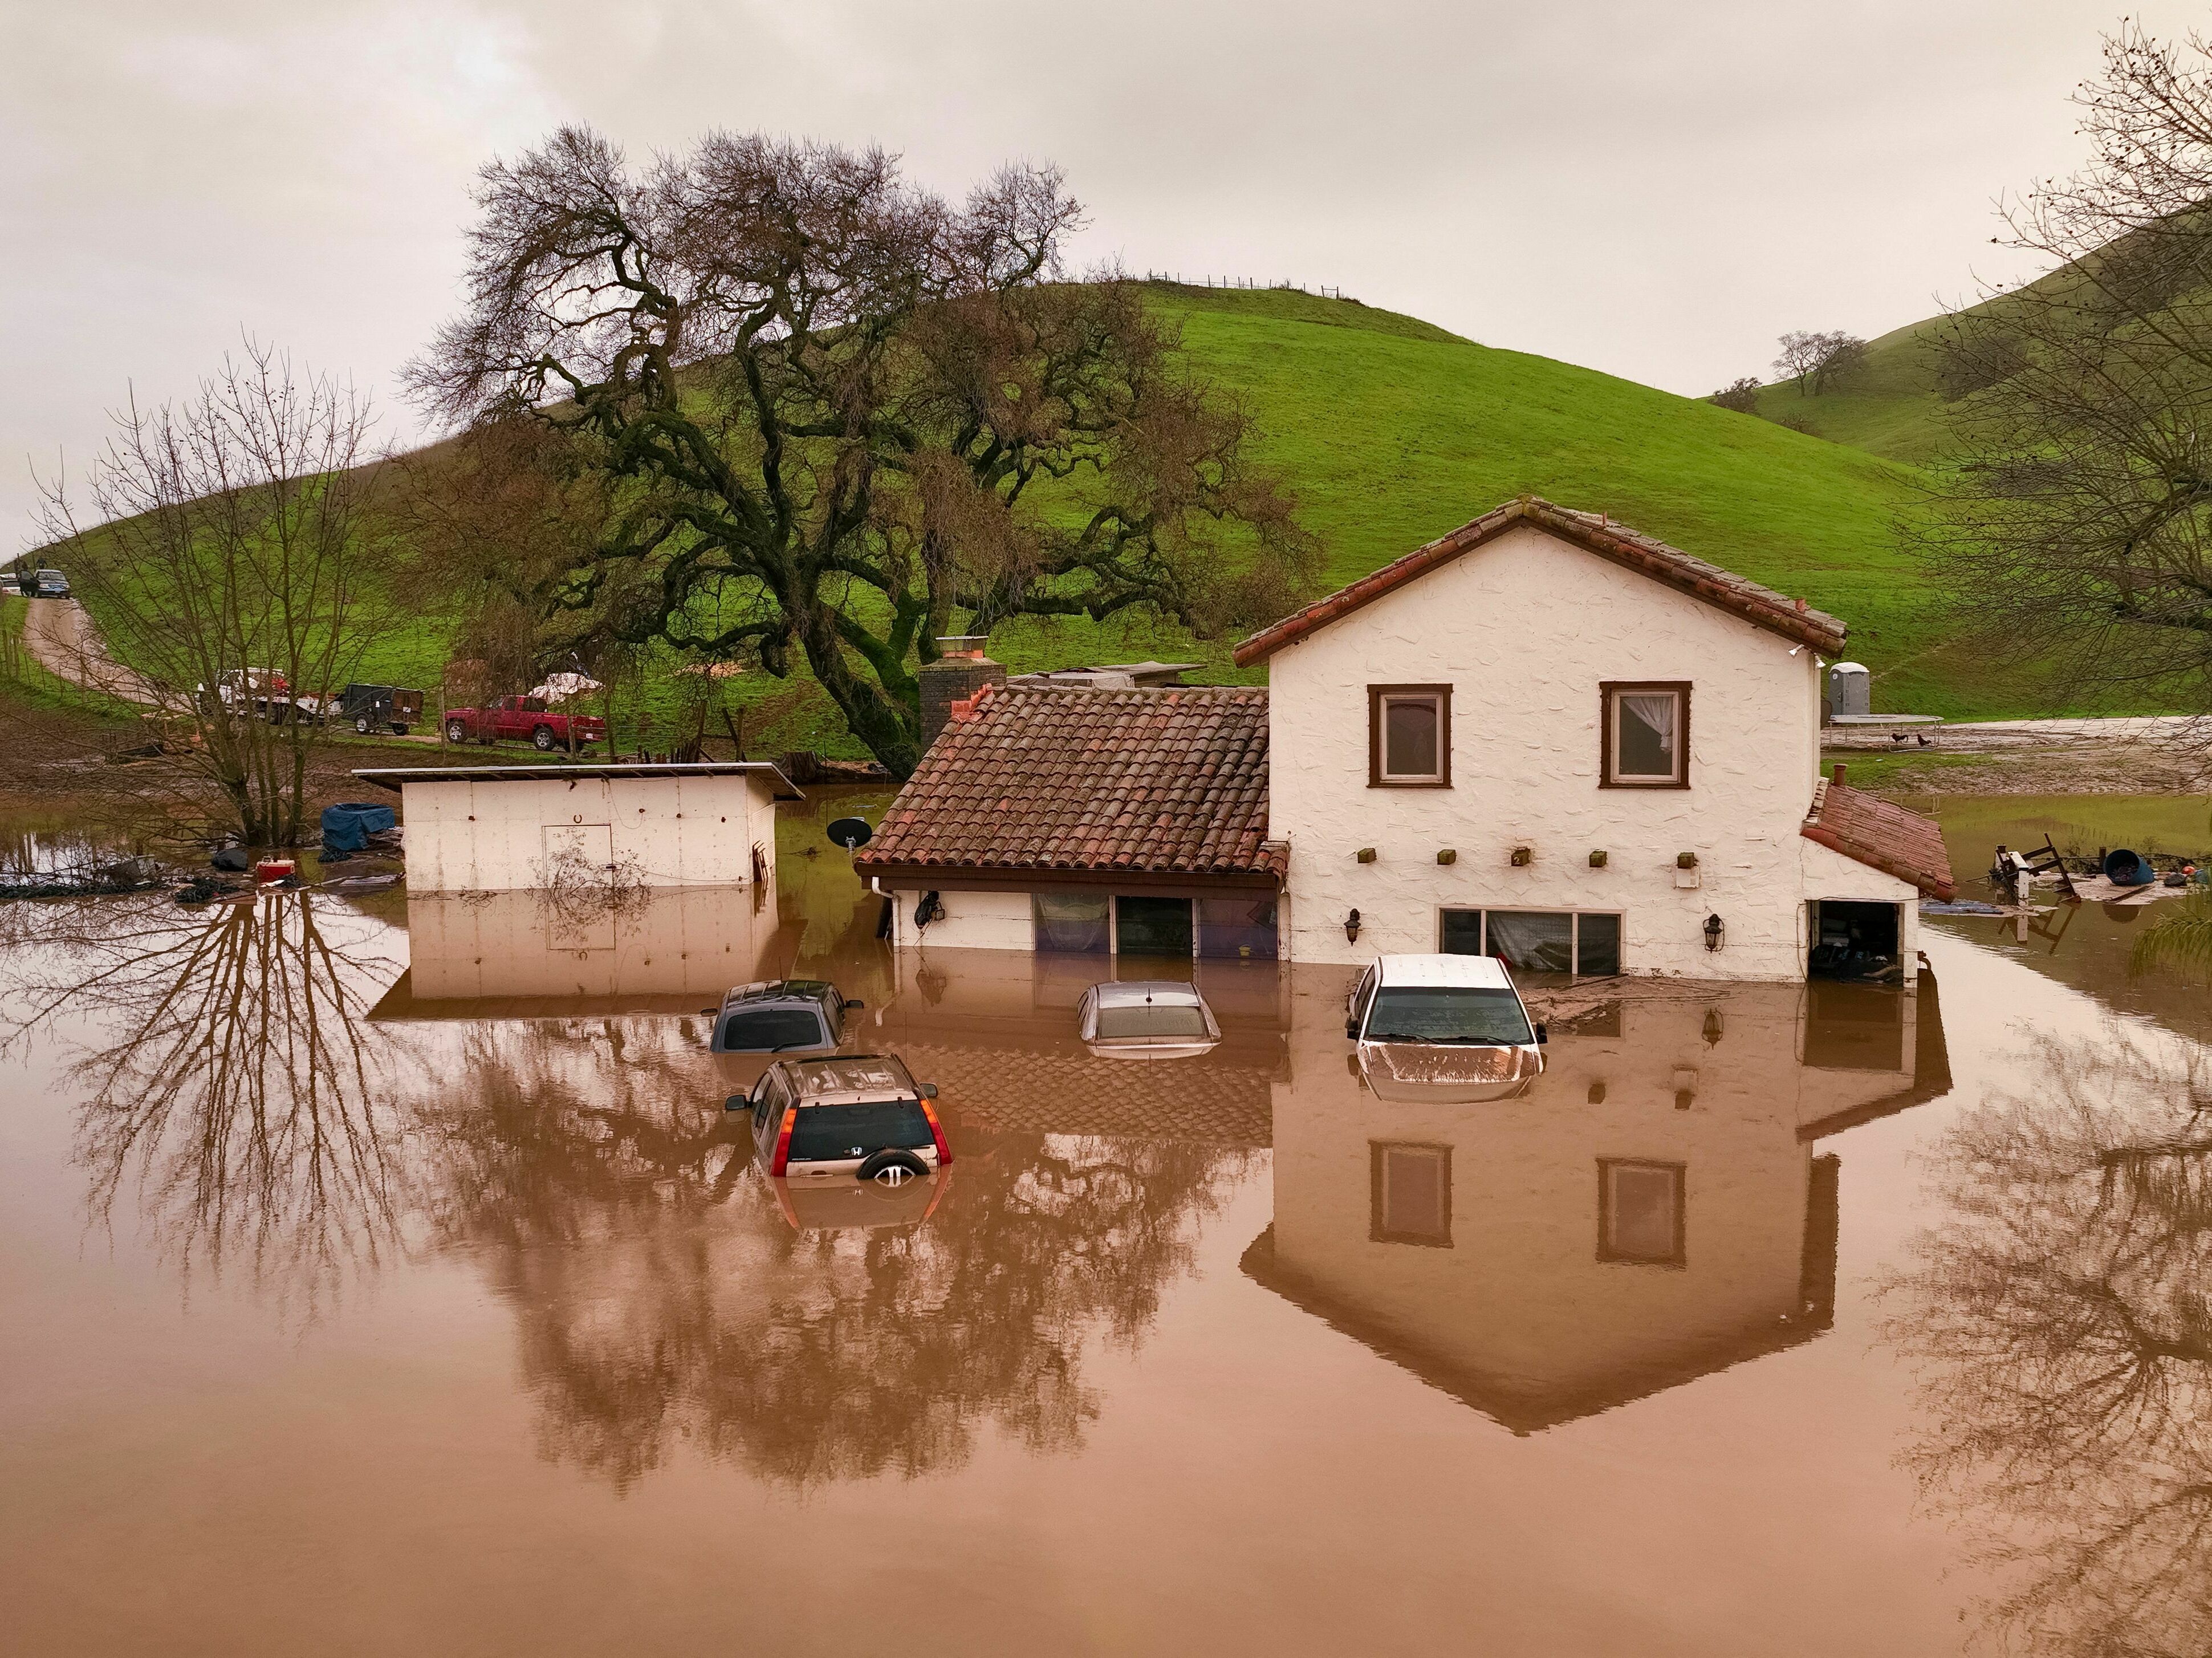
(1392, 431)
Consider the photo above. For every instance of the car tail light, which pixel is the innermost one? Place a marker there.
(782, 1158)
(936, 1134)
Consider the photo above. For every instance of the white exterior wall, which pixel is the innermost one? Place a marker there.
(971, 921)
(490, 835)
(1524, 629)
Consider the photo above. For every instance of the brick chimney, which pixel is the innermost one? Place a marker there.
(955, 677)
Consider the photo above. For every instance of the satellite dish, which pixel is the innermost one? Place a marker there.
(850, 832)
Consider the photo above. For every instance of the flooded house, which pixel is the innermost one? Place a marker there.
(504, 828)
(1544, 736)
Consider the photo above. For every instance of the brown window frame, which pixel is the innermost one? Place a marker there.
(1608, 691)
(1681, 1257)
(1441, 694)
(1377, 1153)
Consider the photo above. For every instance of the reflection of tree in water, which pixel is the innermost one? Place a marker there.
(2066, 1316)
(236, 1102)
(662, 1297)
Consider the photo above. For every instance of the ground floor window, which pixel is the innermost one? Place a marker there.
(1585, 942)
(1152, 926)
(1078, 921)
(1409, 1194)
(1239, 928)
(1639, 1212)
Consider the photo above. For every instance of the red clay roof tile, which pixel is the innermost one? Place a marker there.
(1881, 835)
(1167, 781)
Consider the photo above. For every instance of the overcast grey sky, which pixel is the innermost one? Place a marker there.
(1654, 190)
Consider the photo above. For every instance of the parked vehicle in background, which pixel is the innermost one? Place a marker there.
(1406, 1010)
(780, 1016)
(861, 1114)
(377, 707)
(49, 583)
(524, 720)
(19, 583)
(260, 691)
(1146, 1019)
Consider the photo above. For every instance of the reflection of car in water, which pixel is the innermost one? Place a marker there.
(780, 1016)
(860, 1114)
(1450, 1029)
(861, 1206)
(1146, 1019)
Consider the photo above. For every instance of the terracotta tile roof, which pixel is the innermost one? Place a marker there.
(1762, 606)
(1172, 781)
(1882, 834)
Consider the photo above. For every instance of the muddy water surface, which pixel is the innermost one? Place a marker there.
(394, 1280)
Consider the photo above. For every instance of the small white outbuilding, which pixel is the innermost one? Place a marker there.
(501, 828)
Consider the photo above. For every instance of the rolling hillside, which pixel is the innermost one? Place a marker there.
(1392, 431)
(1889, 409)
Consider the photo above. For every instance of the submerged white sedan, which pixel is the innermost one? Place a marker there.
(1146, 1019)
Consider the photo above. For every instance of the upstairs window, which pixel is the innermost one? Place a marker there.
(1647, 736)
(1409, 737)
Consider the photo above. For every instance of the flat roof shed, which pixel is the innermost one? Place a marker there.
(496, 829)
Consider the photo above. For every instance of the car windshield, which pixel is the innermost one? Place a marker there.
(768, 1027)
(1447, 1013)
(825, 1133)
(1151, 1019)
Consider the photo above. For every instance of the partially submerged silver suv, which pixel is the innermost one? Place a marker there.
(848, 1113)
(780, 1016)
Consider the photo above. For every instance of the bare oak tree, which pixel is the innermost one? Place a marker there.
(2075, 522)
(1818, 362)
(842, 418)
(232, 557)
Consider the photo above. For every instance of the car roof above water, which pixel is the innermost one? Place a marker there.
(1481, 972)
(762, 990)
(1134, 992)
(842, 1077)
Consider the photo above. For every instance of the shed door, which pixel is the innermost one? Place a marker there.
(575, 850)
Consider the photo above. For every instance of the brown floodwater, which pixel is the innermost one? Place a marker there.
(389, 1278)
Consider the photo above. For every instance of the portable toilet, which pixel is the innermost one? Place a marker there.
(1850, 691)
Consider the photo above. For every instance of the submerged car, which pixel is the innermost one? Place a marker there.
(781, 1015)
(850, 1114)
(1146, 1019)
(1451, 1029)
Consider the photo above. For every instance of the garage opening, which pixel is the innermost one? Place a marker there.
(1152, 926)
(1856, 941)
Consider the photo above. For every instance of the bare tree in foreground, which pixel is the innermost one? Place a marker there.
(846, 417)
(2061, 1316)
(233, 554)
(2075, 520)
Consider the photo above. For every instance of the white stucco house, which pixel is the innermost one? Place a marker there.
(1544, 736)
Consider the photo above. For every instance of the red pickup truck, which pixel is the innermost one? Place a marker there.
(525, 719)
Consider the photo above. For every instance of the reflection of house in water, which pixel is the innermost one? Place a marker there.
(535, 955)
(1653, 1210)
(998, 1035)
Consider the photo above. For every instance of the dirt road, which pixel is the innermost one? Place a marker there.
(62, 640)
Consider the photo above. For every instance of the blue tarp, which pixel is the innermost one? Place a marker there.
(348, 825)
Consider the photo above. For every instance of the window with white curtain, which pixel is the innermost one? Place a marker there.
(1647, 736)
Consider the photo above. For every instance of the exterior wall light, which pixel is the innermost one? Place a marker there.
(1712, 1027)
(1446, 855)
(1715, 933)
(1686, 861)
(1597, 860)
(1351, 928)
(1522, 857)
(1365, 854)
(1597, 1093)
